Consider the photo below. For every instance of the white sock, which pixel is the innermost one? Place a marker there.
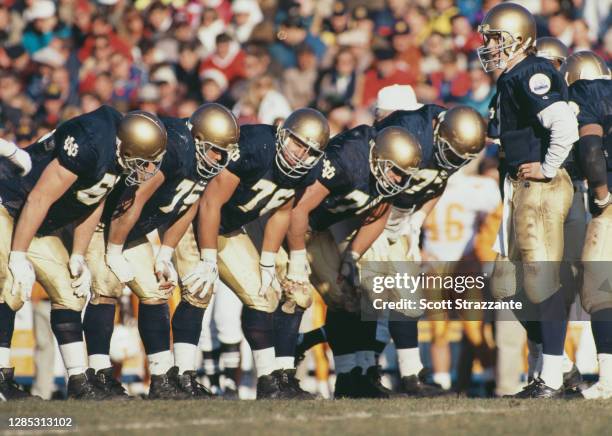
(160, 363)
(265, 361)
(285, 362)
(365, 359)
(552, 370)
(534, 359)
(409, 361)
(185, 356)
(443, 379)
(605, 368)
(99, 361)
(75, 357)
(343, 363)
(5, 357)
(568, 364)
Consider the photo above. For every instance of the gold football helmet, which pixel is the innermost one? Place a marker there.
(213, 127)
(551, 48)
(512, 27)
(311, 131)
(584, 65)
(395, 156)
(141, 139)
(459, 136)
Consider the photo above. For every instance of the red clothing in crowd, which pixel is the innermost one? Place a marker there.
(232, 66)
(118, 45)
(372, 83)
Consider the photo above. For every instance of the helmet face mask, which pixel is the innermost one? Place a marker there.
(300, 142)
(206, 165)
(494, 57)
(382, 169)
(446, 156)
(459, 136)
(137, 170)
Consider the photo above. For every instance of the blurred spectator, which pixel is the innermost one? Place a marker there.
(228, 58)
(214, 88)
(408, 54)
(43, 26)
(262, 103)
(336, 87)
(298, 83)
(247, 15)
(581, 36)
(186, 70)
(481, 90)
(292, 34)
(452, 82)
(336, 24)
(465, 39)
(102, 29)
(385, 72)
(49, 113)
(210, 27)
(167, 83)
(443, 12)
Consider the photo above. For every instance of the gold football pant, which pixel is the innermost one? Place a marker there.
(535, 241)
(596, 293)
(49, 256)
(141, 258)
(238, 261)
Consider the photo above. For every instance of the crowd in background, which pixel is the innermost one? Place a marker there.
(261, 58)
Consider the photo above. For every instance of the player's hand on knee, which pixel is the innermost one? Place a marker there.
(81, 274)
(23, 275)
(349, 272)
(17, 156)
(118, 264)
(164, 268)
(203, 277)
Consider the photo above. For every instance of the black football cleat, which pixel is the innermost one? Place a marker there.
(166, 387)
(9, 389)
(290, 383)
(572, 379)
(188, 382)
(372, 387)
(106, 382)
(419, 386)
(85, 387)
(538, 389)
(269, 387)
(348, 384)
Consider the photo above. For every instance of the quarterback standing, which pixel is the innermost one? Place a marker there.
(537, 129)
(58, 205)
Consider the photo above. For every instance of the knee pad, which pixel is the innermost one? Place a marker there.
(258, 327)
(98, 325)
(187, 323)
(66, 326)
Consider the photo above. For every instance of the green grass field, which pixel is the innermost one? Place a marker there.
(365, 417)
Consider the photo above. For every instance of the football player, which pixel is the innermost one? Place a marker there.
(590, 91)
(537, 129)
(273, 163)
(363, 170)
(574, 230)
(198, 149)
(17, 156)
(449, 139)
(73, 169)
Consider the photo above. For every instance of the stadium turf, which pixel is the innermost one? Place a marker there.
(364, 417)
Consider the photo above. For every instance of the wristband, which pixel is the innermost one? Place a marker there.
(114, 249)
(208, 254)
(267, 258)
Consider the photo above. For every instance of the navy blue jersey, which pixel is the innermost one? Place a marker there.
(85, 145)
(181, 188)
(592, 100)
(263, 187)
(522, 93)
(346, 174)
(430, 181)
(418, 122)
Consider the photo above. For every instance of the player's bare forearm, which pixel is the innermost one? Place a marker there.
(217, 193)
(369, 232)
(276, 228)
(177, 230)
(84, 231)
(430, 204)
(53, 183)
(298, 226)
(123, 223)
